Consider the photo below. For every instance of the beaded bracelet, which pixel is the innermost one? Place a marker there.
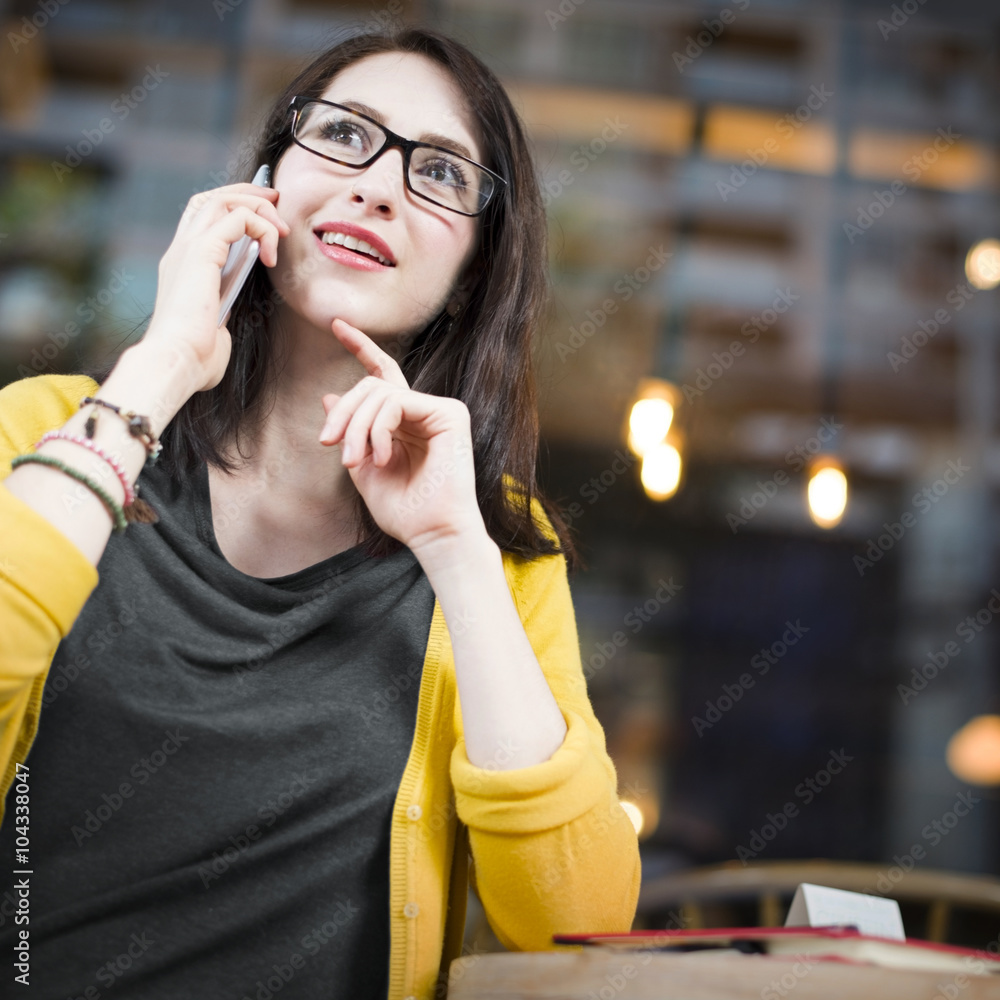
(114, 508)
(120, 472)
(138, 426)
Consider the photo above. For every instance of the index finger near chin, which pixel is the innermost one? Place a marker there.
(376, 361)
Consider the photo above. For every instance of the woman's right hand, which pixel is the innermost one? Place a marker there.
(186, 312)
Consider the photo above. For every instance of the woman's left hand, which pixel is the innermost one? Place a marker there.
(408, 453)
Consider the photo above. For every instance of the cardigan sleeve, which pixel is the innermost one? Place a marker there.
(553, 850)
(45, 579)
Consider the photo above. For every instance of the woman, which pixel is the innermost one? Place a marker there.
(343, 660)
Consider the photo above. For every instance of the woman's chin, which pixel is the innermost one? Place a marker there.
(382, 329)
(371, 318)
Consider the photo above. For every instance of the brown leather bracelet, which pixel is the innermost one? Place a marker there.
(138, 426)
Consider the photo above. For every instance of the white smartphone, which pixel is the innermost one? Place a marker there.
(242, 255)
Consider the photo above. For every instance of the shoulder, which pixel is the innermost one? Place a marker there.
(47, 393)
(515, 492)
(530, 579)
(31, 406)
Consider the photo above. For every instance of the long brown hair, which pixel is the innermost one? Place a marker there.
(481, 356)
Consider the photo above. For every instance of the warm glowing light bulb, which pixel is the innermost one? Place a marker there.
(982, 265)
(648, 424)
(634, 813)
(827, 495)
(973, 753)
(661, 471)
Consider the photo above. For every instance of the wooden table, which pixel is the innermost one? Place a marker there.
(602, 974)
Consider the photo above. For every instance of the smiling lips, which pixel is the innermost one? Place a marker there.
(356, 247)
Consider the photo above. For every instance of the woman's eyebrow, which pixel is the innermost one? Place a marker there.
(363, 109)
(442, 140)
(433, 138)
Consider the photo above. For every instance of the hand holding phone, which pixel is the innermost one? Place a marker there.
(242, 255)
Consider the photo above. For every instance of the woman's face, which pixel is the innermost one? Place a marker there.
(429, 247)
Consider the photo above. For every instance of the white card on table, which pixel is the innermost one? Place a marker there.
(820, 906)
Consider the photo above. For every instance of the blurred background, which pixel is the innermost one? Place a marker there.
(770, 227)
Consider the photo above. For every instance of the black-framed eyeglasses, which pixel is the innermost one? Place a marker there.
(438, 175)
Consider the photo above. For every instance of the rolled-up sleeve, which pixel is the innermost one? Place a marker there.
(45, 579)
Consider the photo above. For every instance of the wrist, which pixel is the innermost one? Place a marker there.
(456, 552)
(152, 379)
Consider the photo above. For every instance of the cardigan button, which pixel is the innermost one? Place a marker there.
(411, 910)
(414, 812)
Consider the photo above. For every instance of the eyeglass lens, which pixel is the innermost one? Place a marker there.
(445, 178)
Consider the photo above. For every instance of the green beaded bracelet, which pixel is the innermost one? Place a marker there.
(114, 509)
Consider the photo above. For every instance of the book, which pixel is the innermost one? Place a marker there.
(836, 943)
(612, 974)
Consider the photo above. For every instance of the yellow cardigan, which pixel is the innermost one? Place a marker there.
(552, 850)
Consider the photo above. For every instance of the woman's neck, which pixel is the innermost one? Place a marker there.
(290, 503)
(285, 453)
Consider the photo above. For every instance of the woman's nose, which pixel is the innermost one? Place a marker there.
(379, 186)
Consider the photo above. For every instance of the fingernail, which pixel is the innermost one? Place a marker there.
(345, 453)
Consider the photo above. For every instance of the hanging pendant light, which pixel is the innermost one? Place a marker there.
(982, 265)
(651, 415)
(973, 753)
(826, 492)
(651, 437)
(661, 471)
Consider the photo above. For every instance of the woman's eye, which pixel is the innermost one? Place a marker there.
(343, 133)
(444, 171)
